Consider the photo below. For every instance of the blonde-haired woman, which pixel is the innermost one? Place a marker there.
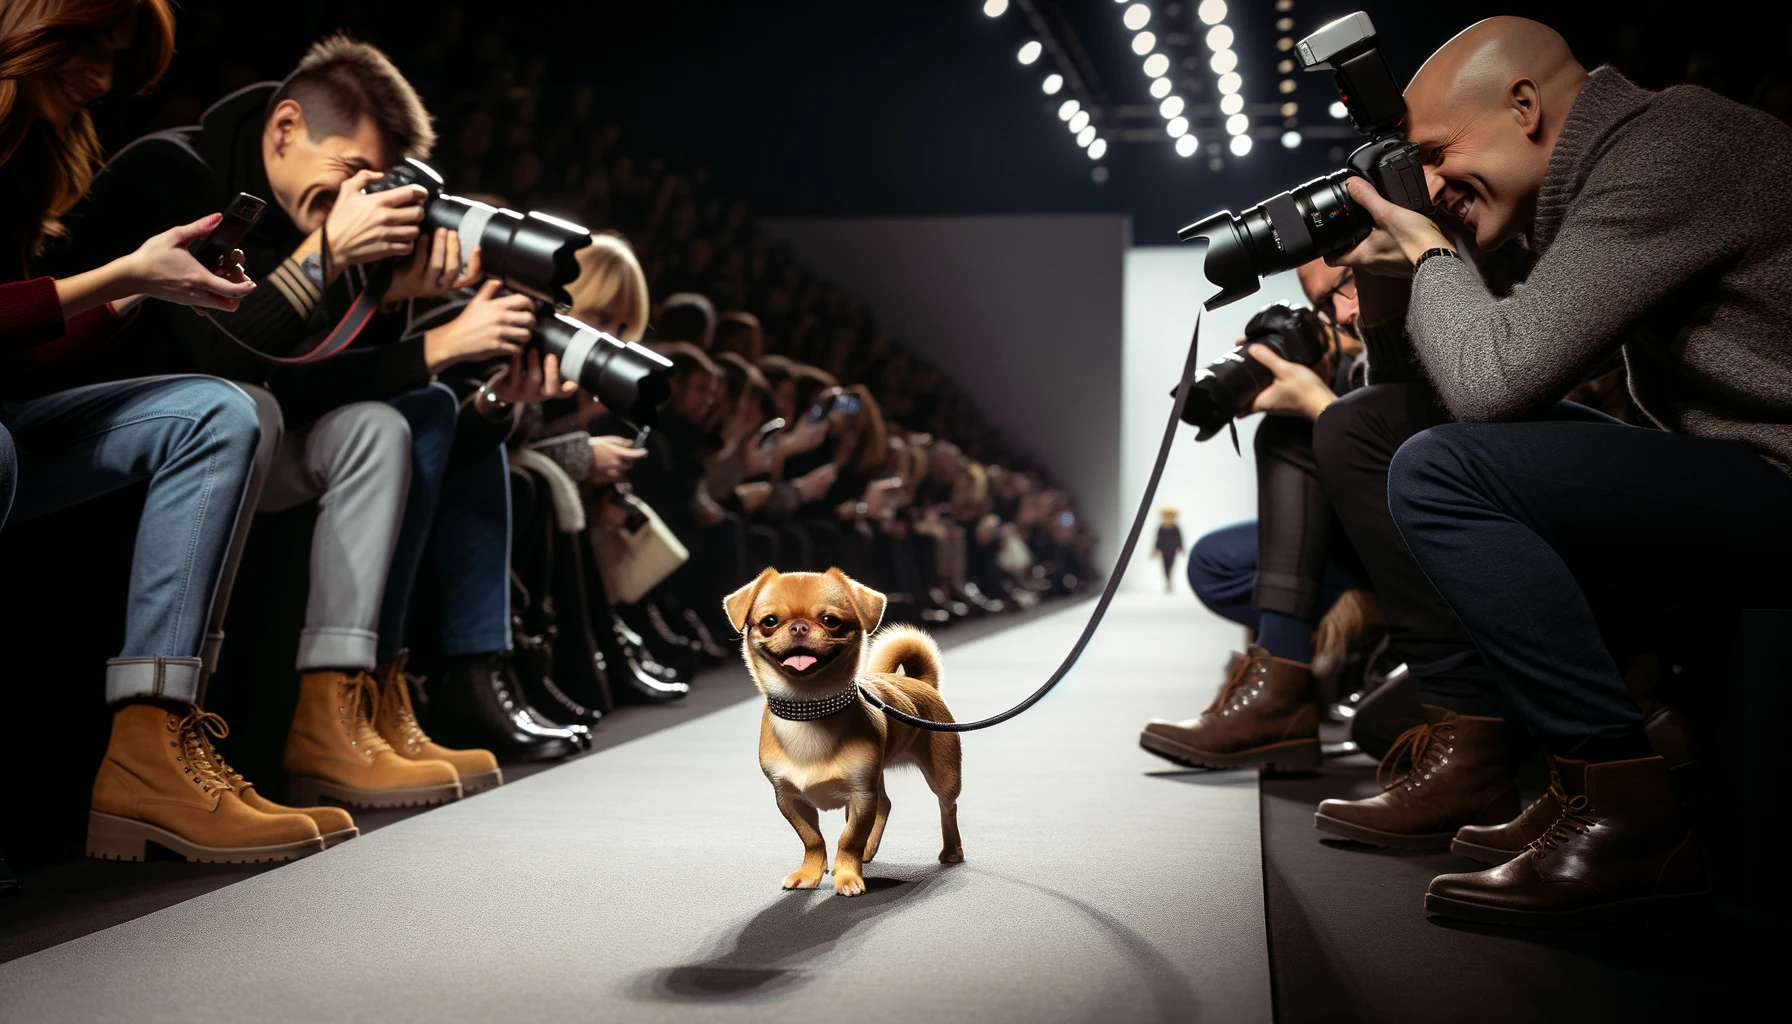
(610, 293)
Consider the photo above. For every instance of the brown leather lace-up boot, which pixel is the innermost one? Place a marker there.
(1619, 850)
(397, 724)
(157, 785)
(334, 751)
(1497, 844)
(1264, 715)
(333, 823)
(1457, 776)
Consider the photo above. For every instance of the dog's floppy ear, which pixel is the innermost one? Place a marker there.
(869, 602)
(739, 603)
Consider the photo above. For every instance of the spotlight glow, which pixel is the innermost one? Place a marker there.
(1338, 110)
(1230, 83)
(1136, 16)
(1223, 61)
(1219, 37)
(1285, 68)
(1285, 43)
(1241, 144)
(1286, 86)
(1231, 104)
(1053, 83)
(1160, 88)
(1156, 65)
(1098, 149)
(1171, 107)
(1068, 109)
(1079, 121)
(1086, 136)
(1187, 145)
(995, 8)
(1144, 43)
(1211, 12)
(1237, 124)
(1291, 139)
(1290, 109)
(1030, 51)
(1178, 127)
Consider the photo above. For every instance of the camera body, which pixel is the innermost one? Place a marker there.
(1319, 219)
(1225, 388)
(536, 255)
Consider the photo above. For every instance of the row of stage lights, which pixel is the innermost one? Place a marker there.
(1071, 111)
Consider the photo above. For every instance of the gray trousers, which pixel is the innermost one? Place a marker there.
(355, 462)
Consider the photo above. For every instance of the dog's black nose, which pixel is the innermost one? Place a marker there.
(799, 629)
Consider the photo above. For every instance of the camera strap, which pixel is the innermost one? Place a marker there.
(341, 336)
(1107, 593)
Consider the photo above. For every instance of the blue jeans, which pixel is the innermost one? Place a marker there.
(194, 439)
(1222, 570)
(465, 504)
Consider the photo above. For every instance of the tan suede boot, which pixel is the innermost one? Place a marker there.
(158, 785)
(333, 823)
(1264, 715)
(397, 724)
(334, 751)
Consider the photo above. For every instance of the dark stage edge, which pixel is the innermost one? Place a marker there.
(640, 883)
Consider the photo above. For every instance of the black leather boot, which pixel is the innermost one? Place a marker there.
(698, 631)
(661, 645)
(635, 678)
(478, 706)
(533, 661)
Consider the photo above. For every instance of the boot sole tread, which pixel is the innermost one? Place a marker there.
(1604, 913)
(310, 790)
(479, 782)
(1375, 837)
(1300, 755)
(115, 837)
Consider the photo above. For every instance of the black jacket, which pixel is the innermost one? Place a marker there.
(177, 176)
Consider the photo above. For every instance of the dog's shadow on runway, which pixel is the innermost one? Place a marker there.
(768, 955)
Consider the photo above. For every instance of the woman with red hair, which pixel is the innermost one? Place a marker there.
(194, 440)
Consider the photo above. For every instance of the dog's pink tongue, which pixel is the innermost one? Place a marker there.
(799, 662)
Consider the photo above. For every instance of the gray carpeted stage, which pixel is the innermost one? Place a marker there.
(641, 883)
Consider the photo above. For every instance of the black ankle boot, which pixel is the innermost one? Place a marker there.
(478, 706)
(635, 678)
(698, 630)
(533, 660)
(663, 647)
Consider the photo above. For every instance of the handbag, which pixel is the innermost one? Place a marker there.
(633, 560)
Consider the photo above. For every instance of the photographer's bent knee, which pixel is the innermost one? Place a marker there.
(1426, 476)
(224, 414)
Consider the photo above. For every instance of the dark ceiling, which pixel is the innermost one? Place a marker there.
(808, 108)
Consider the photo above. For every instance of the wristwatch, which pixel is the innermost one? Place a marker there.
(1438, 251)
(497, 404)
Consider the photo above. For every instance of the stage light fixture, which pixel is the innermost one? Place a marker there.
(1291, 139)
(1241, 144)
(1290, 109)
(1178, 127)
(1229, 83)
(1098, 149)
(1284, 24)
(1144, 43)
(1285, 43)
(1187, 146)
(1231, 104)
(1086, 136)
(1238, 124)
(1157, 65)
(1284, 5)
(1337, 110)
(1286, 86)
(1099, 175)
(1160, 87)
(1030, 51)
(1052, 84)
(1219, 37)
(1079, 121)
(1285, 68)
(1211, 12)
(1171, 107)
(995, 8)
(1136, 16)
(1223, 61)
(1068, 109)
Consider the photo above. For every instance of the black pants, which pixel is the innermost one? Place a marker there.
(1524, 526)
(1298, 535)
(1355, 439)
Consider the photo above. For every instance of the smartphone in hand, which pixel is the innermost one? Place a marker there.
(214, 250)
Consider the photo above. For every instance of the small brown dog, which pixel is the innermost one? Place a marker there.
(806, 638)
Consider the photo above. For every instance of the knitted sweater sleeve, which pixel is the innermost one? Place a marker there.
(1644, 223)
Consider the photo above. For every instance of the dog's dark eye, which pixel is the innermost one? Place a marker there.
(830, 621)
(769, 622)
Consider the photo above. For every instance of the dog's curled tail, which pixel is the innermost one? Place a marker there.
(908, 649)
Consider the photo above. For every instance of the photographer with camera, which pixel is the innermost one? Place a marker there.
(1530, 511)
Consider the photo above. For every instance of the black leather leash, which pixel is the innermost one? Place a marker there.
(1107, 594)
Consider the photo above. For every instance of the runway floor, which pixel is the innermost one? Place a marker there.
(641, 883)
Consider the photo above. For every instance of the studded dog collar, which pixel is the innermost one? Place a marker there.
(810, 710)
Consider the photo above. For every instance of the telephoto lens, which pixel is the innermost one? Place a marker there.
(1225, 388)
(1314, 221)
(629, 380)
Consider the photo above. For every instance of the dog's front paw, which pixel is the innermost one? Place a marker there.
(802, 879)
(848, 883)
(952, 855)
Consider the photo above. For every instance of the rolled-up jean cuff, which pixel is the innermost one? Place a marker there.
(337, 647)
(163, 678)
(1285, 593)
(208, 654)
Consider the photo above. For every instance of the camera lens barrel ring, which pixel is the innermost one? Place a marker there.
(1290, 223)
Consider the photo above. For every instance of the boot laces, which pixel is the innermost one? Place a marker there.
(1424, 748)
(196, 751)
(1576, 820)
(360, 705)
(1248, 672)
(404, 717)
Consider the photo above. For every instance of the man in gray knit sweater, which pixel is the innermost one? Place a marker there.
(1662, 226)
